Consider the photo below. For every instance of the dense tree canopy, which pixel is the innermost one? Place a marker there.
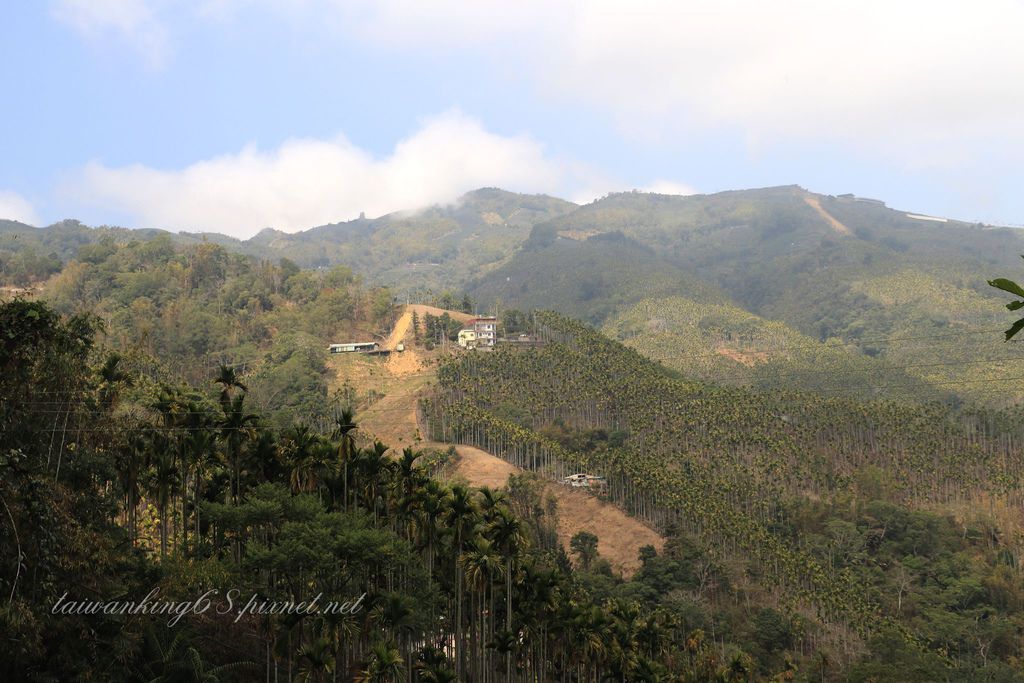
(112, 485)
(821, 508)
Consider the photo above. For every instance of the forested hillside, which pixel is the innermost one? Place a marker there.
(178, 312)
(886, 533)
(430, 249)
(724, 344)
(829, 443)
(588, 278)
(863, 279)
(115, 487)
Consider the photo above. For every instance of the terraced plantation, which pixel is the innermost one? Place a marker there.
(766, 483)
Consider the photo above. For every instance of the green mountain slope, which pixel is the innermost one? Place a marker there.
(587, 278)
(771, 250)
(826, 267)
(826, 504)
(435, 248)
(439, 247)
(725, 344)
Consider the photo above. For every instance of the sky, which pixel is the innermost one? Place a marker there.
(236, 115)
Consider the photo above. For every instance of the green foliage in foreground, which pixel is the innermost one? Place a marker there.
(106, 497)
(1015, 289)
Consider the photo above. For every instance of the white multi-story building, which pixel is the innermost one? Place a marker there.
(486, 329)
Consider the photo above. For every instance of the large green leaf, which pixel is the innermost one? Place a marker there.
(1007, 286)
(1014, 329)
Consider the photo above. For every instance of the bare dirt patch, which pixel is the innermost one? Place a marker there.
(620, 536)
(480, 468)
(392, 420)
(829, 218)
(406, 362)
(423, 309)
(413, 360)
(747, 358)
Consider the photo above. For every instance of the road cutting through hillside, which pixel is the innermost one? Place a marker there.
(392, 419)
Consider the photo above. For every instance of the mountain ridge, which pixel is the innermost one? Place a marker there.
(827, 267)
(483, 192)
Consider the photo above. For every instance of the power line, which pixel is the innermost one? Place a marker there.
(824, 346)
(852, 391)
(834, 389)
(753, 400)
(881, 369)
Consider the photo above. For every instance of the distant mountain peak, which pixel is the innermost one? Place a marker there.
(486, 192)
(268, 233)
(492, 193)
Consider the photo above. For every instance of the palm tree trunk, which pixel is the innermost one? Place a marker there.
(184, 514)
(163, 529)
(196, 512)
(458, 611)
(508, 616)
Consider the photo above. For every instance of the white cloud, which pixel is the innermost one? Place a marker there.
(307, 182)
(669, 187)
(14, 207)
(924, 85)
(920, 82)
(595, 186)
(907, 79)
(132, 21)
